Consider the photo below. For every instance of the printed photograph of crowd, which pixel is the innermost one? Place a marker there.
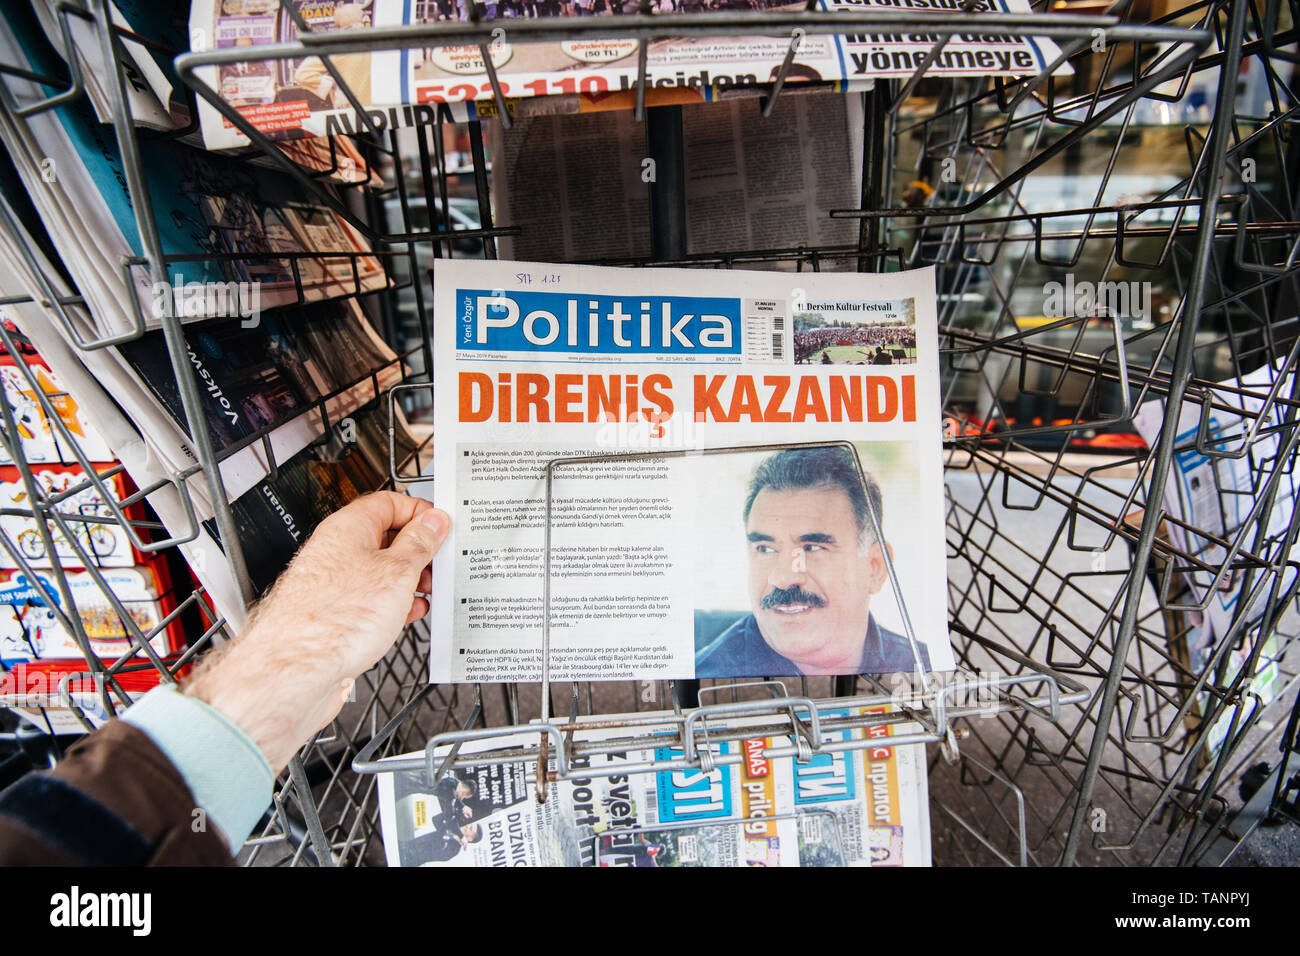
(855, 343)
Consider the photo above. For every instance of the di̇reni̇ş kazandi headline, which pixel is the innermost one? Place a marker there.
(523, 325)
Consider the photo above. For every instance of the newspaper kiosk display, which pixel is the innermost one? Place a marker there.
(1121, 642)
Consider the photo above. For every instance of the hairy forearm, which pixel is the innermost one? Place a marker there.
(330, 617)
(184, 777)
(308, 693)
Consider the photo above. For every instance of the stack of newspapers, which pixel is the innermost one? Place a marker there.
(865, 806)
(265, 276)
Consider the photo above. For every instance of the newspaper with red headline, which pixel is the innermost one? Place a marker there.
(744, 473)
(301, 95)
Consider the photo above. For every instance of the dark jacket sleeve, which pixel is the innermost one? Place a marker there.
(443, 847)
(114, 800)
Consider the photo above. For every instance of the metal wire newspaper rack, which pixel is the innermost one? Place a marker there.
(1103, 731)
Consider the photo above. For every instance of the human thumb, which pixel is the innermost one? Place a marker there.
(417, 543)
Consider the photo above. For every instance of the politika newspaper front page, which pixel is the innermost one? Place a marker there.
(758, 485)
(866, 806)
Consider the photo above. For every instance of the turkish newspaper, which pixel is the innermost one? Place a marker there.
(767, 482)
(300, 95)
(861, 807)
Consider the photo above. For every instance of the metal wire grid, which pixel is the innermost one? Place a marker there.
(1139, 752)
(50, 512)
(1122, 647)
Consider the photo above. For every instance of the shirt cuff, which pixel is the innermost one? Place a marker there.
(227, 774)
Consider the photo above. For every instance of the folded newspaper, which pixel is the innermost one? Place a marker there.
(697, 544)
(859, 807)
(402, 87)
(1216, 489)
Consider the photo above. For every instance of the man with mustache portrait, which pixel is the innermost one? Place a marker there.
(815, 563)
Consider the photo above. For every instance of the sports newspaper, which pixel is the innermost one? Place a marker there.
(299, 96)
(657, 558)
(860, 807)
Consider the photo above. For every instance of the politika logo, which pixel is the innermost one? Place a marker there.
(531, 321)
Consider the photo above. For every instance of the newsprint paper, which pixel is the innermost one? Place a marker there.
(864, 807)
(402, 85)
(689, 563)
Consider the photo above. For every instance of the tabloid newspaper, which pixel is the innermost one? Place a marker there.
(866, 807)
(297, 96)
(691, 562)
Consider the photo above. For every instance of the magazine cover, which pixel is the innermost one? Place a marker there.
(39, 436)
(298, 96)
(275, 516)
(206, 205)
(255, 377)
(678, 560)
(101, 540)
(31, 630)
(861, 807)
